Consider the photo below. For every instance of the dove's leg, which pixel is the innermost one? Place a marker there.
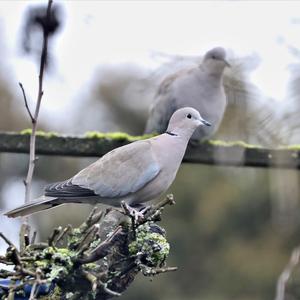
(136, 213)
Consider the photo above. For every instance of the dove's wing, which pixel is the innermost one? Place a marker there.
(120, 172)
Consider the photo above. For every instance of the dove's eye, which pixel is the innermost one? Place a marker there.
(213, 57)
(189, 116)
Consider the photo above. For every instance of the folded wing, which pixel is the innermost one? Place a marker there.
(119, 173)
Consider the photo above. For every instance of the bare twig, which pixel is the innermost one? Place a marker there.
(33, 290)
(107, 290)
(103, 249)
(24, 236)
(157, 208)
(92, 279)
(32, 156)
(38, 246)
(35, 286)
(7, 240)
(5, 262)
(88, 238)
(285, 275)
(56, 232)
(33, 237)
(26, 103)
(62, 234)
(155, 271)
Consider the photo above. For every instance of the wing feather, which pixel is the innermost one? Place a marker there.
(120, 172)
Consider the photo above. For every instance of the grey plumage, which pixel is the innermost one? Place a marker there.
(135, 173)
(200, 88)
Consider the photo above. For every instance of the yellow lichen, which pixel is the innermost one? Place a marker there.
(120, 136)
(48, 134)
(232, 143)
(292, 147)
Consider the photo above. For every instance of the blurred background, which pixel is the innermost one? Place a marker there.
(232, 229)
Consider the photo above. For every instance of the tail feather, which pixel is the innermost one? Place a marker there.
(42, 203)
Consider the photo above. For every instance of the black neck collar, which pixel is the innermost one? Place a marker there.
(171, 133)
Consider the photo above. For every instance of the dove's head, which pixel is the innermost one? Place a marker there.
(184, 121)
(215, 61)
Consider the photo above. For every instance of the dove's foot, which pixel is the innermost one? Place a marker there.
(137, 213)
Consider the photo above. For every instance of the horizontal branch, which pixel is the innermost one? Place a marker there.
(213, 152)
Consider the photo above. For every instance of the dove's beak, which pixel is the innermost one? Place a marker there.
(204, 122)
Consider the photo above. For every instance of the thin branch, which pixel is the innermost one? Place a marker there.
(103, 249)
(88, 238)
(92, 279)
(155, 271)
(24, 236)
(56, 232)
(7, 240)
(107, 290)
(33, 237)
(156, 209)
(26, 104)
(285, 275)
(32, 157)
(62, 234)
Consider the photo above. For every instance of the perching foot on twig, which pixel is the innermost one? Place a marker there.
(134, 213)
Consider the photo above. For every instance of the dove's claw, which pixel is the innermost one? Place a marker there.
(136, 215)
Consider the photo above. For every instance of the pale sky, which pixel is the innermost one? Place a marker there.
(113, 32)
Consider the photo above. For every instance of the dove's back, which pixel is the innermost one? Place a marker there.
(194, 88)
(200, 87)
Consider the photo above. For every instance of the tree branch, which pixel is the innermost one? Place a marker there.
(211, 153)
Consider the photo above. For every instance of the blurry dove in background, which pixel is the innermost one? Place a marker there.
(135, 173)
(200, 88)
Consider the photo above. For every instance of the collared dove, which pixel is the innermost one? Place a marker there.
(200, 88)
(135, 173)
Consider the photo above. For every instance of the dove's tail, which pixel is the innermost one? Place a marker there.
(41, 203)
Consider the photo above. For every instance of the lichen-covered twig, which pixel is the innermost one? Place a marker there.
(155, 271)
(97, 260)
(102, 250)
(24, 236)
(62, 234)
(55, 233)
(156, 209)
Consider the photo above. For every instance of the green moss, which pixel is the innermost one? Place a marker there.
(91, 266)
(292, 147)
(119, 136)
(154, 245)
(74, 238)
(55, 295)
(231, 144)
(48, 134)
(42, 264)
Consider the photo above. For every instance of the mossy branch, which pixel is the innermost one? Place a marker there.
(97, 260)
(97, 144)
